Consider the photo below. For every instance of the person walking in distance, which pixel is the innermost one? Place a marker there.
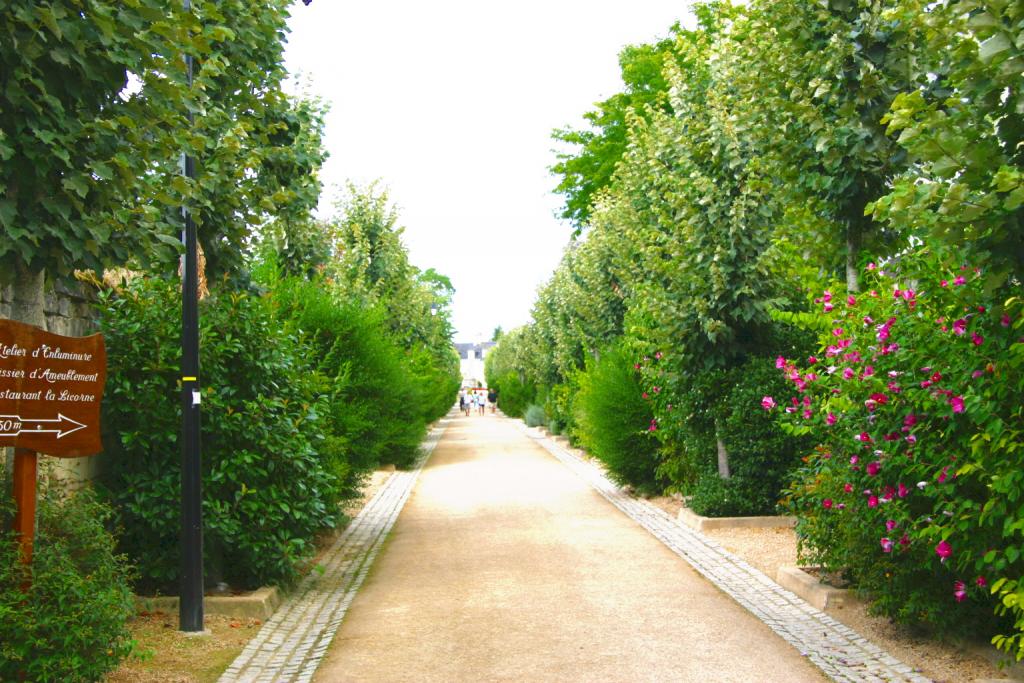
(481, 402)
(492, 398)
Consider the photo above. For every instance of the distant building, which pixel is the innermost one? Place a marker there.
(471, 362)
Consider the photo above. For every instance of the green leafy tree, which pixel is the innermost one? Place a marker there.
(965, 136)
(90, 175)
(599, 145)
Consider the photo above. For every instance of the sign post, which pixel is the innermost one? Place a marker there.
(51, 388)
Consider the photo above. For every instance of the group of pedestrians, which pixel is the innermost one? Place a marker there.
(477, 399)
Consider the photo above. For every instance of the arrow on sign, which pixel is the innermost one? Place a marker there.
(12, 425)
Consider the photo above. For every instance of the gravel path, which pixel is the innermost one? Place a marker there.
(506, 565)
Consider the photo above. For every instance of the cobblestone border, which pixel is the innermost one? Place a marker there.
(840, 652)
(291, 644)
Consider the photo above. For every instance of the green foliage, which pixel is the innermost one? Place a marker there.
(534, 416)
(90, 174)
(598, 147)
(376, 406)
(615, 422)
(267, 488)
(965, 135)
(71, 623)
(761, 456)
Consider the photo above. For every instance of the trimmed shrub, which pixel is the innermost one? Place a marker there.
(71, 623)
(615, 422)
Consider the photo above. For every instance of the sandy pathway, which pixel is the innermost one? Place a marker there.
(506, 566)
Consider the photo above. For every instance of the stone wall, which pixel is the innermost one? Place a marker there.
(68, 309)
(69, 312)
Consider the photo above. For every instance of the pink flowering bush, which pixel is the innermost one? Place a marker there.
(915, 487)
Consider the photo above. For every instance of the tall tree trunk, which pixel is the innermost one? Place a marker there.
(854, 239)
(723, 460)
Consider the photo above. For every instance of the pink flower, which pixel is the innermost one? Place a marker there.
(827, 296)
(873, 468)
(904, 540)
(944, 283)
(830, 419)
(911, 438)
(851, 300)
(863, 437)
(827, 503)
(848, 373)
(980, 582)
(872, 501)
(959, 280)
(837, 332)
(848, 488)
(872, 266)
(902, 491)
(942, 475)
(960, 326)
(644, 395)
(657, 390)
(653, 427)
(886, 545)
(767, 402)
(636, 366)
(657, 355)
(959, 591)
(807, 413)
(854, 459)
(887, 493)
(977, 339)
(828, 308)
(944, 550)
(1005, 320)
(896, 294)
(812, 360)
(780, 362)
(890, 524)
(958, 404)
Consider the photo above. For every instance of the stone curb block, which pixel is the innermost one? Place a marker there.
(813, 591)
(260, 604)
(698, 523)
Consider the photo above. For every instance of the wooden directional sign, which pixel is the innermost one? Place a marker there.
(50, 390)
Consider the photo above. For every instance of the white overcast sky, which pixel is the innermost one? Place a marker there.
(451, 105)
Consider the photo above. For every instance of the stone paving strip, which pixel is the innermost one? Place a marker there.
(291, 644)
(841, 653)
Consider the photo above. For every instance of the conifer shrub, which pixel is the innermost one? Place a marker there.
(615, 421)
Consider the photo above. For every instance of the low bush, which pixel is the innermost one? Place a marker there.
(71, 623)
(615, 420)
(916, 401)
(535, 416)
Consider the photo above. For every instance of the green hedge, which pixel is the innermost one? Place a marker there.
(270, 478)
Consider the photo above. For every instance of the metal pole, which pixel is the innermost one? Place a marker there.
(190, 606)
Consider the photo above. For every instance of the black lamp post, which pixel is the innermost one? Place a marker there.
(190, 605)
